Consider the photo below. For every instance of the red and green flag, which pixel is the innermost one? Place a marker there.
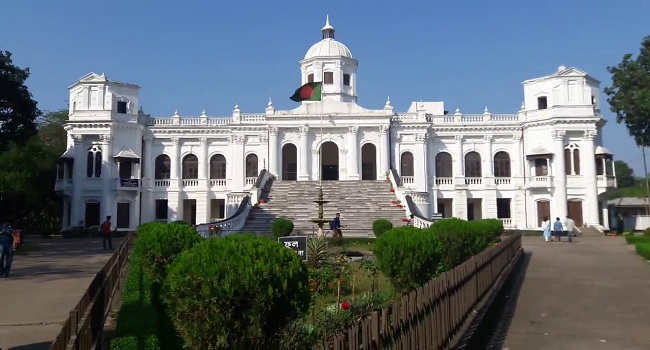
(308, 92)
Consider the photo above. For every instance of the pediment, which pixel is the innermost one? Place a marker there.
(572, 72)
(91, 77)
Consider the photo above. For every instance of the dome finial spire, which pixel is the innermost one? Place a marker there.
(328, 30)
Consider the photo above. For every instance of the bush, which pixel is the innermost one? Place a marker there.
(159, 244)
(491, 229)
(646, 232)
(180, 222)
(458, 240)
(643, 249)
(281, 227)
(380, 226)
(408, 256)
(637, 239)
(238, 292)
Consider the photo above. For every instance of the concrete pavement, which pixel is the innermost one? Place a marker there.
(591, 294)
(44, 286)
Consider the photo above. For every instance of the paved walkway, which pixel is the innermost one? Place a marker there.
(44, 286)
(591, 294)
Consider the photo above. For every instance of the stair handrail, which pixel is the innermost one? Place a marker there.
(398, 188)
(419, 220)
(237, 220)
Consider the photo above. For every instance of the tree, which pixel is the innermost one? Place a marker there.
(624, 174)
(51, 131)
(18, 111)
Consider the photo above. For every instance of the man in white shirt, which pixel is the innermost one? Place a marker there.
(570, 227)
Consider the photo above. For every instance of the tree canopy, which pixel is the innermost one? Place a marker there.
(18, 111)
(629, 95)
(624, 174)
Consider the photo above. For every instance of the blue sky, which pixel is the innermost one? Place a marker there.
(200, 54)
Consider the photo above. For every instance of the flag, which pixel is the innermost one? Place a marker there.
(308, 92)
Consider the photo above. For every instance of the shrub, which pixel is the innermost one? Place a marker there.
(159, 244)
(646, 232)
(317, 254)
(281, 227)
(180, 222)
(491, 229)
(643, 249)
(380, 226)
(238, 292)
(408, 256)
(458, 240)
(637, 239)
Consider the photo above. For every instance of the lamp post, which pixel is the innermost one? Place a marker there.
(320, 220)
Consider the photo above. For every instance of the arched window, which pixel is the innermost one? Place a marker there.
(443, 165)
(406, 164)
(190, 167)
(502, 164)
(94, 162)
(572, 159)
(251, 165)
(162, 168)
(218, 167)
(473, 165)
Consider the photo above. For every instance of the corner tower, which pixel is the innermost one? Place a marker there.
(331, 62)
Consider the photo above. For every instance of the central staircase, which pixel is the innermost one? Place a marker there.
(359, 202)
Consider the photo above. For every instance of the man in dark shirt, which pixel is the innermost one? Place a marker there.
(6, 249)
(336, 226)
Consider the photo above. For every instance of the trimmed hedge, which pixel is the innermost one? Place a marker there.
(637, 239)
(408, 256)
(159, 244)
(646, 232)
(643, 249)
(238, 292)
(380, 226)
(281, 227)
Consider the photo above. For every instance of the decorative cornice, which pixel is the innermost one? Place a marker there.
(487, 138)
(273, 130)
(353, 129)
(237, 139)
(105, 139)
(458, 138)
(383, 129)
(175, 141)
(421, 138)
(516, 137)
(303, 129)
(264, 139)
(203, 140)
(558, 135)
(77, 138)
(589, 135)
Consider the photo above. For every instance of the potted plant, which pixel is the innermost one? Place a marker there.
(387, 175)
(256, 205)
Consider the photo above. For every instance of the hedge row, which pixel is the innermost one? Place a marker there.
(643, 249)
(637, 239)
(410, 256)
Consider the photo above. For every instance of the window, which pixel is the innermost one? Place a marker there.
(572, 160)
(328, 78)
(576, 161)
(310, 78)
(542, 103)
(251, 165)
(593, 100)
(161, 209)
(125, 170)
(541, 167)
(443, 165)
(121, 107)
(473, 165)
(218, 167)
(502, 164)
(346, 79)
(162, 167)
(503, 208)
(406, 164)
(190, 167)
(94, 162)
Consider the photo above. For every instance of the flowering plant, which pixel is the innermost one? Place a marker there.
(345, 306)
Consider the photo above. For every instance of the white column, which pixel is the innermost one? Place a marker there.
(175, 168)
(149, 159)
(488, 169)
(458, 158)
(421, 160)
(203, 159)
(78, 178)
(353, 153)
(559, 176)
(304, 153)
(107, 206)
(434, 201)
(384, 151)
(273, 150)
(589, 160)
(135, 216)
(517, 157)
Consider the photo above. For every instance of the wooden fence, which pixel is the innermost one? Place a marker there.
(430, 316)
(84, 326)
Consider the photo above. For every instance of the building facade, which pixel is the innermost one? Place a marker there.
(547, 159)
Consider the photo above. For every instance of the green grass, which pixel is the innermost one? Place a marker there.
(643, 249)
(351, 244)
(637, 239)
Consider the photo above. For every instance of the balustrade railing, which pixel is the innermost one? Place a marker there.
(190, 182)
(502, 181)
(161, 183)
(408, 180)
(473, 181)
(218, 182)
(443, 181)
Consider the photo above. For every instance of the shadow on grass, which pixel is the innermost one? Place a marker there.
(490, 328)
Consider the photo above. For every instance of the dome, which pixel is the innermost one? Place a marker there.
(328, 48)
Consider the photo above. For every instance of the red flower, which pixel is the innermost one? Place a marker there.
(405, 220)
(392, 190)
(262, 201)
(345, 305)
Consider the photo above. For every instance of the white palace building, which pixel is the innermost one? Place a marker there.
(547, 159)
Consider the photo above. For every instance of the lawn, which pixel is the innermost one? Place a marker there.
(642, 245)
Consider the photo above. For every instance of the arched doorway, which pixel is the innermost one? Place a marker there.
(289, 162)
(368, 162)
(330, 161)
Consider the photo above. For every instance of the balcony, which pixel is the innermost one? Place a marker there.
(218, 183)
(161, 183)
(444, 181)
(62, 184)
(539, 182)
(502, 181)
(473, 181)
(408, 180)
(127, 184)
(250, 181)
(606, 181)
(190, 183)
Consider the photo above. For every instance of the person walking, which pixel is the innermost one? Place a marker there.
(6, 249)
(106, 232)
(570, 227)
(557, 229)
(336, 226)
(546, 227)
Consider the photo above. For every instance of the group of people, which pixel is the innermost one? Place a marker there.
(557, 229)
(6, 249)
